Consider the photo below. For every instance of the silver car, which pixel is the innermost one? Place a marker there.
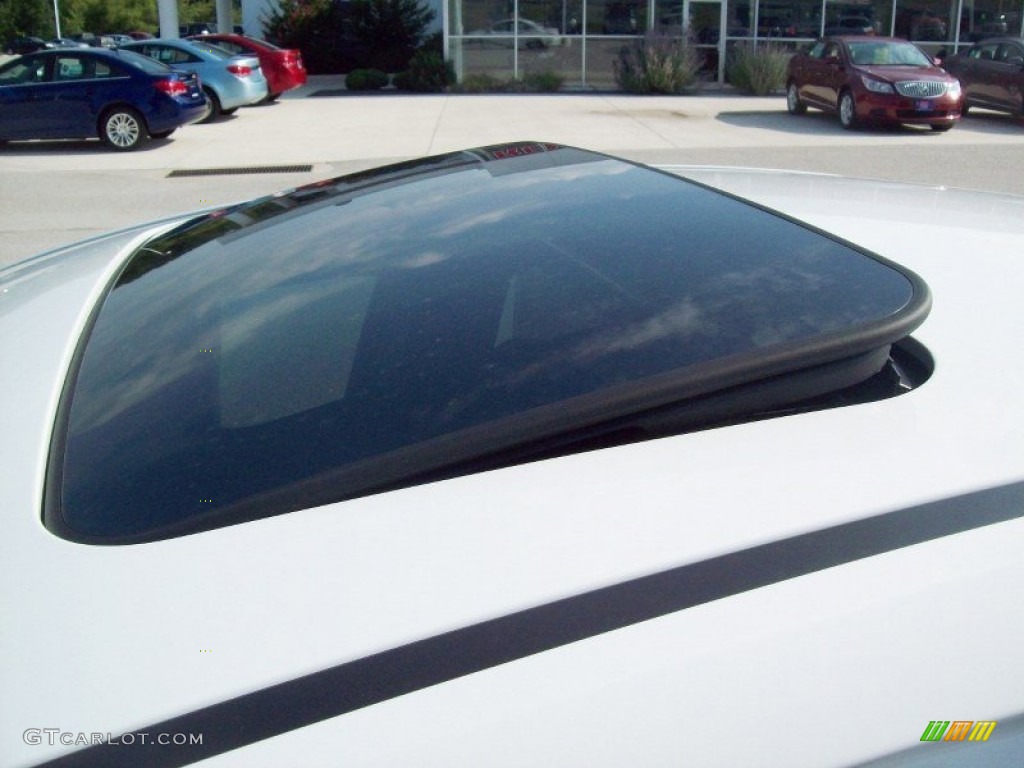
(229, 81)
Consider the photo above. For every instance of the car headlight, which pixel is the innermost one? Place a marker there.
(953, 89)
(876, 86)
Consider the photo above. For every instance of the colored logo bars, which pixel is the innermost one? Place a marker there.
(958, 730)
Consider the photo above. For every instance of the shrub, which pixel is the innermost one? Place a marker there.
(365, 80)
(428, 73)
(392, 29)
(480, 82)
(543, 82)
(658, 63)
(758, 70)
(533, 82)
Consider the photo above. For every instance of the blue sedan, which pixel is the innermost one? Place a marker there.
(229, 81)
(121, 97)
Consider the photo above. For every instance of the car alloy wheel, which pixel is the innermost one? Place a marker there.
(793, 103)
(847, 110)
(123, 129)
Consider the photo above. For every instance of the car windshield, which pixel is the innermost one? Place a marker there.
(361, 333)
(888, 54)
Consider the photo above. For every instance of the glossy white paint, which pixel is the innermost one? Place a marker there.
(826, 669)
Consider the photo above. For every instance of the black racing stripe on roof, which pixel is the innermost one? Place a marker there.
(281, 708)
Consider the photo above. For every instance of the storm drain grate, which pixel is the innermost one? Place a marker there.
(236, 171)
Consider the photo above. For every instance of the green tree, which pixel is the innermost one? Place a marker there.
(99, 16)
(26, 17)
(392, 29)
(315, 27)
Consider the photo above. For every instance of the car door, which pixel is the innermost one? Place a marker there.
(69, 105)
(1008, 76)
(824, 75)
(23, 85)
(980, 74)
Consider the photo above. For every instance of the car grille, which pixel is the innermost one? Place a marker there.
(913, 114)
(921, 89)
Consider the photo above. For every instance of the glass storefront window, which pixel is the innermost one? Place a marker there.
(564, 58)
(563, 16)
(668, 16)
(569, 37)
(925, 20)
(792, 18)
(479, 57)
(616, 17)
(601, 58)
(990, 18)
(472, 16)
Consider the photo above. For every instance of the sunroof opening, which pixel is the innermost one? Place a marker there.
(463, 311)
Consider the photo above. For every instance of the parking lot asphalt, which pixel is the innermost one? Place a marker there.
(57, 192)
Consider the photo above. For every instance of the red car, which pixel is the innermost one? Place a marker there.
(873, 79)
(282, 67)
(992, 74)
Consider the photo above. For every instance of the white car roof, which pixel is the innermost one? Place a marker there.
(826, 667)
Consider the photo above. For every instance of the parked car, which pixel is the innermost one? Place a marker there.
(873, 79)
(531, 34)
(27, 44)
(87, 38)
(69, 42)
(516, 456)
(991, 74)
(197, 28)
(229, 81)
(283, 68)
(113, 40)
(120, 97)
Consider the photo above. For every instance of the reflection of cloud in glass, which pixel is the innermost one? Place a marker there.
(427, 259)
(264, 312)
(407, 225)
(471, 222)
(681, 320)
(773, 279)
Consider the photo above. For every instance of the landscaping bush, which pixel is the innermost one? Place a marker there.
(658, 63)
(428, 73)
(543, 82)
(532, 82)
(480, 82)
(759, 70)
(365, 80)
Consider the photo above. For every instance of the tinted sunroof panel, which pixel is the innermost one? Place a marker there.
(309, 346)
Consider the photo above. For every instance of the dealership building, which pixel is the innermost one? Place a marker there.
(580, 40)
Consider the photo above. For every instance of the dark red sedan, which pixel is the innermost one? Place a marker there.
(282, 67)
(873, 79)
(992, 74)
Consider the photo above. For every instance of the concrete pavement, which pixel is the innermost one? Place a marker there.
(56, 192)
